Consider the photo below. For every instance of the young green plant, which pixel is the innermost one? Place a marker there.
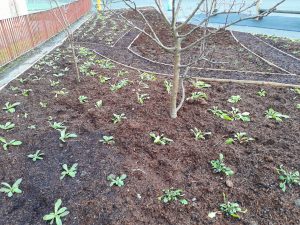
(56, 216)
(141, 98)
(172, 195)
(6, 143)
(71, 172)
(10, 190)
(11, 108)
(7, 126)
(107, 140)
(287, 178)
(160, 139)
(117, 118)
(234, 99)
(199, 135)
(277, 116)
(65, 135)
(38, 155)
(241, 137)
(219, 166)
(82, 99)
(116, 180)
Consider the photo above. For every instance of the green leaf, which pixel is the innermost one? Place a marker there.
(16, 143)
(57, 205)
(58, 220)
(50, 216)
(229, 141)
(183, 201)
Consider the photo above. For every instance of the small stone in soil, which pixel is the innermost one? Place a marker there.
(229, 183)
(297, 202)
(269, 159)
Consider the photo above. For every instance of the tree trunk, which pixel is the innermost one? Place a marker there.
(176, 78)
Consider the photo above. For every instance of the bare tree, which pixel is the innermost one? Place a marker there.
(181, 32)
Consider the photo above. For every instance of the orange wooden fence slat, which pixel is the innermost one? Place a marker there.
(20, 34)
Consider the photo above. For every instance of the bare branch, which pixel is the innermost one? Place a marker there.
(160, 8)
(230, 24)
(190, 16)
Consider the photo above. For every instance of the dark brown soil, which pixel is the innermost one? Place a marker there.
(104, 28)
(287, 63)
(150, 168)
(288, 45)
(226, 53)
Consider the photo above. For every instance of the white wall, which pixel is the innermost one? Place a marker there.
(12, 8)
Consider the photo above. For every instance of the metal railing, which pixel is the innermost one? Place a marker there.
(20, 34)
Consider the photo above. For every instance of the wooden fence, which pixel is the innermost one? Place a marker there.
(21, 34)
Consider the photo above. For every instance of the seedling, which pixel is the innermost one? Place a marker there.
(237, 115)
(119, 85)
(10, 190)
(43, 104)
(219, 166)
(57, 125)
(14, 88)
(7, 126)
(272, 114)
(241, 137)
(105, 64)
(22, 81)
(58, 74)
(142, 97)
(234, 99)
(160, 139)
(116, 181)
(54, 83)
(262, 93)
(11, 108)
(231, 208)
(55, 217)
(287, 178)
(196, 96)
(172, 195)
(108, 140)
(220, 113)
(99, 104)
(82, 99)
(61, 92)
(26, 92)
(296, 90)
(6, 144)
(103, 79)
(200, 84)
(71, 172)
(36, 156)
(122, 73)
(118, 118)
(64, 135)
(199, 135)
(148, 76)
(85, 52)
(168, 86)
(298, 106)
